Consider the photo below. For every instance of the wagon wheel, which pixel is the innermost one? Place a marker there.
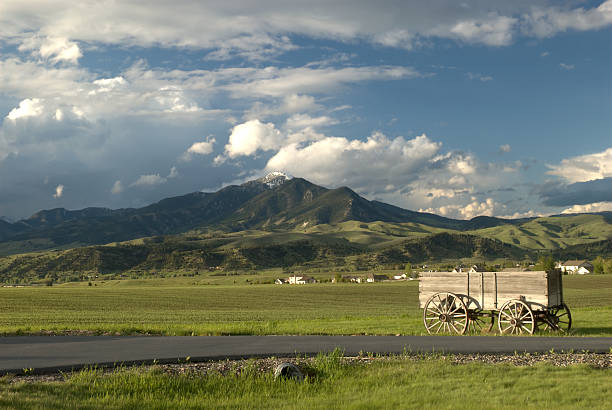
(481, 321)
(558, 318)
(445, 312)
(516, 317)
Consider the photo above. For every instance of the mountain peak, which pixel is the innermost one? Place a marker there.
(274, 179)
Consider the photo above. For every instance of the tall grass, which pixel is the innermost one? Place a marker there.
(432, 382)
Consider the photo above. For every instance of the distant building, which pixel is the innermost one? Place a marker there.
(376, 278)
(281, 281)
(403, 276)
(301, 280)
(471, 269)
(580, 267)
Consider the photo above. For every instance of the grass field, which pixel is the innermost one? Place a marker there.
(429, 382)
(186, 306)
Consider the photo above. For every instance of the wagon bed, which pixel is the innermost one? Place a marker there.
(458, 301)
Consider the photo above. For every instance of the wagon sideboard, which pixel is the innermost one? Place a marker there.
(490, 290)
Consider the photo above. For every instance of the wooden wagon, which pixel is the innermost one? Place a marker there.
(456, 302)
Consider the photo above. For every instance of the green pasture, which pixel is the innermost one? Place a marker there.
(186, 306)
(427, 382)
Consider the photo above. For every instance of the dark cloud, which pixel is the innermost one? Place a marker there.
(579, 193)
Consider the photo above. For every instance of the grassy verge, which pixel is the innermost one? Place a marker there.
(432, 382)
(178, 307)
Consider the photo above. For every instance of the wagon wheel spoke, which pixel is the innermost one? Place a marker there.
(477, 322)
(457, 308)
(432, 327)
(435, 308)
(518, 310)
(440, 326)
(477, 326)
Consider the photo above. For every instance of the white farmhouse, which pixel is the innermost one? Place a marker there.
(471, 269)
(301, 280)
(376, 278)
(580, 267)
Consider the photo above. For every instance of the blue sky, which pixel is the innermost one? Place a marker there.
(457, 108)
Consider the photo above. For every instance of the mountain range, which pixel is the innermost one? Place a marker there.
(281, 220)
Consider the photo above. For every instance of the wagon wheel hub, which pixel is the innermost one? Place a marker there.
(444, 318)
(515, 322)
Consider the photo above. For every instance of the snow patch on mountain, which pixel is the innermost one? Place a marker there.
(274, 179)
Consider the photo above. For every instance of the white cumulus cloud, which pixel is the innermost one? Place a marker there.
(584, 167)
(475, 208)
(594, 207)
(202, 147)
(252, 136)
(149, 180)
(301, 121)
(30, 107)
(117, 187)
(263, 29)
(548, 21)
(173, 173)
(339, 160)
(59, 191)
(505, 148)
(493, 30)
(281, 82)
(54, 49)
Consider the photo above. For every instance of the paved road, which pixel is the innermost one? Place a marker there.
(52, 353)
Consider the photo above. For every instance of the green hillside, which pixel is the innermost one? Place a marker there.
(244, 251)
(551, 232)
(346, 245)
